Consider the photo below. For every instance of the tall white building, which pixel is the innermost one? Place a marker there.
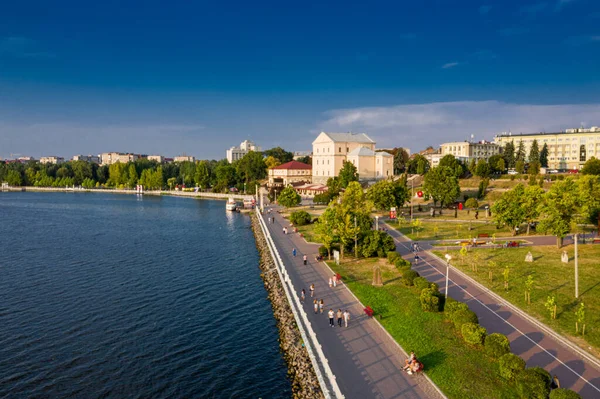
(235, 153)
(467, 150)
(52, 159)
(87, 158)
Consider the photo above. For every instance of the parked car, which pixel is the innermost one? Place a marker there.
(552, 171)
(573, 171)
(513, 172)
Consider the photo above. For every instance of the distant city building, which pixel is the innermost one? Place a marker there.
(87, 158)
(566, 150)
(301, 154)
(434, 158)
(235, 153)
(108, 158)
(184, 158)
(330, 150)
(25, 159)
(288, 173)
(52, 159)
(467, 150)
(157, 158)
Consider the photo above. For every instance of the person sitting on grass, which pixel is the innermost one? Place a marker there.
(415, 367)
(409, 361)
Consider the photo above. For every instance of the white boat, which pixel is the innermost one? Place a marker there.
(231, 205)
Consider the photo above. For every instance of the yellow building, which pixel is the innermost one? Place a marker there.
(467, 150)
(288, 173)
(566, 150)
(330, 150)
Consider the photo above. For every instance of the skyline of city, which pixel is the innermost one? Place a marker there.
(200, 78)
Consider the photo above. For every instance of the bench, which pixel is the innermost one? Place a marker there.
(596, 240)
(481, 242)
(483, 235)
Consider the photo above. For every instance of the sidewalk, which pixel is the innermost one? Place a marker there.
(527, 341)
(364, 358)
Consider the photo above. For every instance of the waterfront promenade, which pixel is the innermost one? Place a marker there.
(364, 358)
(529, 339)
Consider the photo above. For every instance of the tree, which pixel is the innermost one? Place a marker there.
(418, 164)
(386, 194)
(520, 154)
(251, 167)
(132, 176)
(325, 229)
(534, 152)
(401, 158)
(530, 201)
(307, 160)
(508, 210)
(81, 170)
(494, 162)
(501, 166)
(544, 156)
(202, 175)
(558, 209)
(588, 190)
(171, 182)
(472, 166)
(280, 154)
(442, 185)
(450, 161)
(520, 166)
(509, 154)
(289, 197)
(13, 178)
(348, 174)
(591, 167)
(225, 177)
(271, 162)
(352, 214)
(534, 168)
(482, 169)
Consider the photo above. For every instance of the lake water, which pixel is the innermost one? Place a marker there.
(118, 296)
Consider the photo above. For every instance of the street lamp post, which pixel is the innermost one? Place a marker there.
(275, 196)
(448, 258)
(576, 270)
(376, 222)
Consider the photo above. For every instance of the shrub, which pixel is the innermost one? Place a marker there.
(562, 393)
(471, 203)
(374, 241)
(300, 218)
(497, 345)
(463, 316)
(511, 365)
(544, 374)
(392, 256)
(532, 385)
(473, 333)
(421, 283)
(435, 287)
(430, 300)
(402, 263)
(409, 276)
(451, 305)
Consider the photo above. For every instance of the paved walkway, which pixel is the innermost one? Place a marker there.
(364, 358)
(527, 340)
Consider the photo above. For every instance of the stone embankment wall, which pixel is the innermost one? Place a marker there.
(300, 369)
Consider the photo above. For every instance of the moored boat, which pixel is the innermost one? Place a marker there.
(231, 205)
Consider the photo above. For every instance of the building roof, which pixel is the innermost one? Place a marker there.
(361, 152)
(384, 154)
(350, 137)
(294, 165)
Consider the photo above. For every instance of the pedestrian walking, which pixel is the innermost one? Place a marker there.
(316, 306)
(321, 304)
(330, 313)
(416, 258)
(330, 282)
(294, 252)
(346, 316)
(304, 259)
(312, 290)
(302, 295)
(339, 317)
(334, 278)
(283, 230)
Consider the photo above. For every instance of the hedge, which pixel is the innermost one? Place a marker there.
(532, 385)
(511, 366)
(463, 316)
(452, 305)
(392, 256)
(402, 263)
(430, 300)
(409, 276)
(473, 333)
(496, 345)
(421, 283)
(562, 393)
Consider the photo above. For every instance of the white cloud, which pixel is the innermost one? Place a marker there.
(450, 65)
(418, 125)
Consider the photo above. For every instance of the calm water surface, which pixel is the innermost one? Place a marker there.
(117, 296)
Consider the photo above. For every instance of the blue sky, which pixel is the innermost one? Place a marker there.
(198, 77)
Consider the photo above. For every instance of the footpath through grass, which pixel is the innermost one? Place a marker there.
(551, 277)
(460, 370)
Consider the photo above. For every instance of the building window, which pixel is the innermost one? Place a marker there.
(328, 162)
(340, 149)
(347, 149)
(582, 153)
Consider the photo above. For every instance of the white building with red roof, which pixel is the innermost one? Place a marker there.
(288, 173)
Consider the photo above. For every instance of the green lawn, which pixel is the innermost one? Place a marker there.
(450, 230)
(551, 277)
(307, 232)
(458, 369)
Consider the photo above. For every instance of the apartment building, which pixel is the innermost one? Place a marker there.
(236, 153)
(566, 150)
(52, 159)
(87, 158)
(467, 150)
(330, 150)
(108, 158)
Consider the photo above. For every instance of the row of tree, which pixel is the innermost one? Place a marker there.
(558, 211)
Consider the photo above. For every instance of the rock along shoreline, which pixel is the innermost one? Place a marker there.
(300, 370)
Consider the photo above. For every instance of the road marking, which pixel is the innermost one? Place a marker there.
(501, 318)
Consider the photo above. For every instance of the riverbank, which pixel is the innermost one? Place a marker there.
(300, 370)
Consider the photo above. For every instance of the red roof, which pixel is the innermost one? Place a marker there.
(293, 165)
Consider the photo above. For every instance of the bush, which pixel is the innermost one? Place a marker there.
(562, 393)
(471, 203)
(473, 333)
(544, 374)
(430, 299)
(497, 345)
(408, 277)
(511, 366)
(463, 316)
(451, 305)
(300, 218)
(392, 256)
(532, 385)
(374, 241)
(402, 263)
(421, 283)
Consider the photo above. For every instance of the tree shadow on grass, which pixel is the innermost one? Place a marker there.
(589, 289)
(433, 359)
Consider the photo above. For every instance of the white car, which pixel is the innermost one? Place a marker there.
(513, 172)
